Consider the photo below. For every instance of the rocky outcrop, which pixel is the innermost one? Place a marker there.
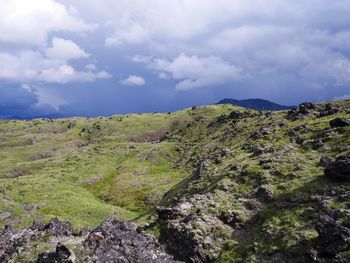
(339, 122)
(333, 239)
(302, 111)
(112, 241)
(339, 169)
(116, 241)
(61, 255)
(190, 233)
(264, 194)
(325, 161)
(11, 240)
(328, 109)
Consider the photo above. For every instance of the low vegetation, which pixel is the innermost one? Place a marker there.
(215, 184)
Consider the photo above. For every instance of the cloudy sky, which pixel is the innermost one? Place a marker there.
(101, 57)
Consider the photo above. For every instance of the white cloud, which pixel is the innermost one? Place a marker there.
(25, 55)
(193, 71)
(132, 35)
(299, 46)
(49, 97)
(133, 80)
(25, 22)
(26, 87)
(65, 50)
(66, 73)
(30, 66)
(91, 67)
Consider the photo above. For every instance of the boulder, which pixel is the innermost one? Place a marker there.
(59, 228)
(116, 241)
(231, 218)
(339, 122)
(200, 169)
(328, 109)
(333, 238)
(61, 255)
(165, 213)
(305, 107)
(258, 150)
(339, 169)
(301, 111)
(235, 114)
(264, 194)
(325, 161)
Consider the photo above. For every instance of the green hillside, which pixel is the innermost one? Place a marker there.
(229, 184)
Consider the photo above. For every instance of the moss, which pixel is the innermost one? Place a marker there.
(126, 165)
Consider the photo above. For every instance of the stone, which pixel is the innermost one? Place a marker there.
(116, 241)
(235, 114)
(264, 194)
(339, 122)
(328, 109)
(225, 152)
(200, 169)
(339, 169)
(231, 218)
(301, 111)
(333, 237)
(59, 228)
(165, 213)
(325, 161)
(257, 150)
(61, 255)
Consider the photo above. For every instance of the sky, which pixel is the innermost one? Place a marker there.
(105, 57)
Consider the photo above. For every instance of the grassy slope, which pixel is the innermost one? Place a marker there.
(295, 177)
(86, 169)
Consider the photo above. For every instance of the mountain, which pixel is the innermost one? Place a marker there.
(217, 183)
(256, 104)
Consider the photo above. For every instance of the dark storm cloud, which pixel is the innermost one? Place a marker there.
(102, 57)
(18, 102)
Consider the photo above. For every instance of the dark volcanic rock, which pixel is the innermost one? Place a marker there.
(12, 240)
(316, 144)
(61, 255)
(115, 241)
(193, 236)
(231, 218)
(325, 161)
(328, 109)
(264, 194)
(59, 228)
(183, 243)
(333, 238)
(112, 241)
(235, 114)
(258, 150)
(165, 213)
(200, 169)
(339, 122)
(301, 111)
(305, 107)
(340, 169)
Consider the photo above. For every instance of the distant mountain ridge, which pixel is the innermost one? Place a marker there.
(256, 104)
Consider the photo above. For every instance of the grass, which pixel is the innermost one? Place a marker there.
(84, 170)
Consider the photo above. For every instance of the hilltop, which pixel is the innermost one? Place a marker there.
(256, 104)
(217, 183)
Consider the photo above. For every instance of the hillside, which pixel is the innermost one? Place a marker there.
(216, 183)
(256, 104)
